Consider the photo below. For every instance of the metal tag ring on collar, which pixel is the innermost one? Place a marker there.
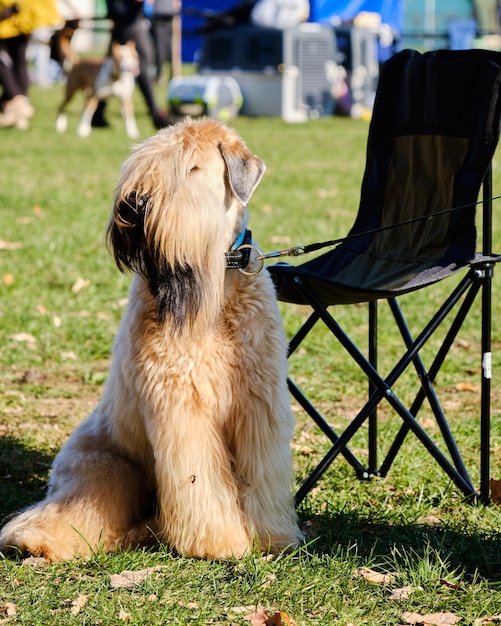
(260, 262)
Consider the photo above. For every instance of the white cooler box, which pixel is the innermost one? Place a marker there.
(216, 96)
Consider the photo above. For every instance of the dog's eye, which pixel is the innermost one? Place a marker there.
(195, 168)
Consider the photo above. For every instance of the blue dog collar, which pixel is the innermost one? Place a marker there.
(239, 259)
(239, 240)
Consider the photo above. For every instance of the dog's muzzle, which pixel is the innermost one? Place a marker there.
(238, 257)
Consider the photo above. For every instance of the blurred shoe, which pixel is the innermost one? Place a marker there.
(25, 106)
(16, 112)
(161, 120)
(98, 119)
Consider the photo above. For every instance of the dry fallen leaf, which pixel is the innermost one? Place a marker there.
(123, 616)
(446, 583)
(10, 245)
(8, 279)
(79, 603)
(192, 604)
(263, 617)
(495, 491)
(9, 609)
(69, 355)
(258, 617)
(238, 610)
(493, 619)
(267, 558)
(467, 387)
(403, 593)
(26, 338)
(81, 283)
(428, 422)
(302, 449)
(277, 619)
(283, 619)
(373, 577)
(269, 579)
(34, 561)
(130, 579)
(431, 619)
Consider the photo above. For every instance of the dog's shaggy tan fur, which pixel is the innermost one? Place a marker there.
(190, 443)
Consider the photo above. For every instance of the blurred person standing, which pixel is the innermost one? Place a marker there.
(130, 24)
(161, 32)
(18, 20)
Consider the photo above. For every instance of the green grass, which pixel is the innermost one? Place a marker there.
(55, 345)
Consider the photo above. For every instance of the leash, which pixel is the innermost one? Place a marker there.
(300, 250)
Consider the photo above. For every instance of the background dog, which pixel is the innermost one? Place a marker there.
(190, 442)
(99, 79)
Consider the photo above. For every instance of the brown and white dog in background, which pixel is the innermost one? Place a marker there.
(190, 442)
(98, 79)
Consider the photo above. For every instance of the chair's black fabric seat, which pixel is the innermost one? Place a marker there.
(328, 291)
(426, 159)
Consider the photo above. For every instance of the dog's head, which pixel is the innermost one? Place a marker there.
(180, 203)
(125, 57)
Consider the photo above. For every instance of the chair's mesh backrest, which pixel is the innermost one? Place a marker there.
(433, 133)
(434, 130)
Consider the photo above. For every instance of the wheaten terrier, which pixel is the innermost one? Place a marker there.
(190, 442)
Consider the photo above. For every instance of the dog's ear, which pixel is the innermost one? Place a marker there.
(245, 171)
(125, 232)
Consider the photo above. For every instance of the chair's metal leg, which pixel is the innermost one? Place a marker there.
(384, 388)
(372, 354)
(485, 409)
(358, 420)
(427, 377)
(433, 370)
(302, 332)
(336, 449)
(326, 428)
(359, 468)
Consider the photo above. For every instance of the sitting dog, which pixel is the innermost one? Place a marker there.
(99, 79)
(190, 442)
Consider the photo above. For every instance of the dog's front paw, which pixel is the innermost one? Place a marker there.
(132, 130)
(24, 540)
(39, 531)
(84, 130)
(134, 134)
(61, 123)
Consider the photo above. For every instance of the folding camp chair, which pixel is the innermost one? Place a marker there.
(433, 133)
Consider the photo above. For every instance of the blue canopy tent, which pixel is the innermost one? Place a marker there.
(323, 11)
(337, 12)
(326, 11)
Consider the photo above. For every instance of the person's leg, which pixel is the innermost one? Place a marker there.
(162, 36)
(16, 108)
(16, 47)
(138, 32)
(8, 78)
